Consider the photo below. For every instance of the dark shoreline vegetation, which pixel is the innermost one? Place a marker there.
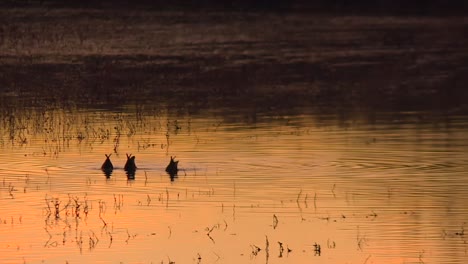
(244, 60)
(393, 7)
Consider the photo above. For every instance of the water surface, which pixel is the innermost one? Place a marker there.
(302, 138)
(386, 189)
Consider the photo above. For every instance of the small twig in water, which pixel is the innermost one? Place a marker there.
(110, 239)
(331, 244)
(167, 198)
(148, 199)
(170, 261)
(317, 249)
(11, 188)
(128, 237)
(298, 197)
(275, 221)
(360, 240)
(373, 215)
(421, 257)
(255, 250)
(281, 249)
(209, 233)
(315, 201)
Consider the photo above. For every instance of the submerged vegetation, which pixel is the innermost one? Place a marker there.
(148, 67)
(220, 203)
(84, 224)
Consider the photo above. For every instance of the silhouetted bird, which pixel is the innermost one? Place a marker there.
(107, 166)
(130, 165)
(172, 169)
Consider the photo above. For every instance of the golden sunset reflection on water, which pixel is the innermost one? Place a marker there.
(272, 191)
(305, 132)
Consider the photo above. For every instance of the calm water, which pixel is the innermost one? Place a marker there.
(385, 189)
(301, 138)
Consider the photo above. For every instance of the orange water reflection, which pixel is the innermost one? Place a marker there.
(390, 191)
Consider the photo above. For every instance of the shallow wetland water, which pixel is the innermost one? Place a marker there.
(326, 140)
(390, 189)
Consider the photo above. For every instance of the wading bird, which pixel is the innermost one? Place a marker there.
(107, 166)
(172, 169)
(130, 166)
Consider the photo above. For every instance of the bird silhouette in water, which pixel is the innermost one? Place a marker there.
(130, 166)
(107, 166)
(172, 169)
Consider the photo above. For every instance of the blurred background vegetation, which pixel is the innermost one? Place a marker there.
(259, 54)
(440, 7)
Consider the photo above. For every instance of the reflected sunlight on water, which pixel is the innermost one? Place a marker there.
(390, 190)
(289, 128)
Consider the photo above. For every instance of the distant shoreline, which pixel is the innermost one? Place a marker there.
(341, 7)
(269, 60)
